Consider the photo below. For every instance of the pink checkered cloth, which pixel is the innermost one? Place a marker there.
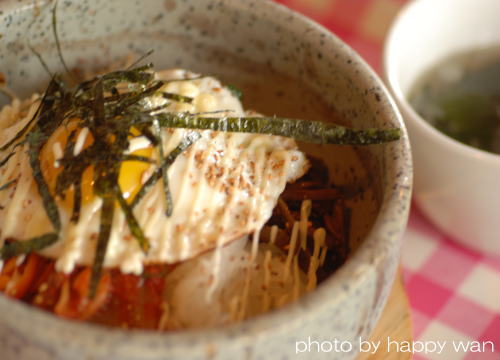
(454, 292)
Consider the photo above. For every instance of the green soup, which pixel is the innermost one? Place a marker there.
(460, 96)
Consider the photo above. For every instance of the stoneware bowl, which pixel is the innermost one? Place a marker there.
(456, 185)
(279, 59)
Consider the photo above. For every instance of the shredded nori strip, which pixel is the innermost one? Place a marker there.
(7, 185)
(135, 98)
(169, 160)
(164, 169)
(142, 75)
(56, 36)
(139, 60)
(132, 222)
(137, 158)
(16, 248)
(7, 158)
(47, 199)
(40, 59)
(77, 202)
(177, 97)
(301, 130)
(146, 131)
(106, 221)
(47, 122)
(166, 187)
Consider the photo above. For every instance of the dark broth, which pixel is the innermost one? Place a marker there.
(460, 96)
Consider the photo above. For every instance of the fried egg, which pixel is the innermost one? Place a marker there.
(224, 186)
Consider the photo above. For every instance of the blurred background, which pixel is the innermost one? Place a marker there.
(454, 292)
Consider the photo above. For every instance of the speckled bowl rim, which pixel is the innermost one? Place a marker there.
(386, 232)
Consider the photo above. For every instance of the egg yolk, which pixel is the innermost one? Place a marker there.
(131, 174)
(130, 178)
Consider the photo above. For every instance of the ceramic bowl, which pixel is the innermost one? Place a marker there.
(456, 185)
(275, 56)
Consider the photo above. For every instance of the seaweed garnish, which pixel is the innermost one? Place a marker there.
(34, 51)
(41, 60)
(56, 37)
(52, 114)
(106, 222)
(302, 130)
(177, 97)
(164, 169)
(6, 159)
(141, 59)
(16, 248)
(77, 202)
(7, 185)
(188, 140)
(132, 222)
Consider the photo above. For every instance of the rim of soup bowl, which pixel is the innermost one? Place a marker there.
(390, 66)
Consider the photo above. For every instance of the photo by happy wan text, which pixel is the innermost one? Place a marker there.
(390, 345)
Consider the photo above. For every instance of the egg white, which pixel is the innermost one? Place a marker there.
(223, 187)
